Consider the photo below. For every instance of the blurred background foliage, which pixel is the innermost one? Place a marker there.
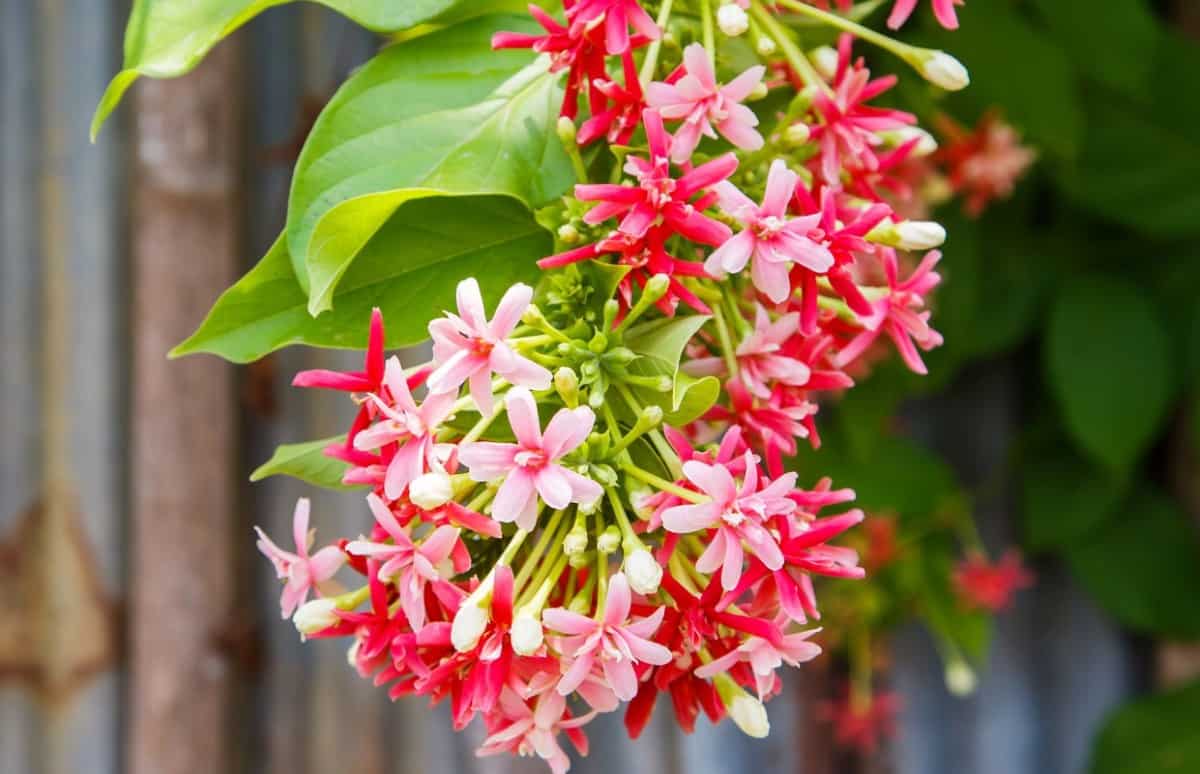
(1085, 282)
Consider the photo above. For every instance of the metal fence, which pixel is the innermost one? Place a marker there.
(138, 629)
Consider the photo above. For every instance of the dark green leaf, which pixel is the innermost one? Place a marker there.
(409, 270)
(660, 344)
(440, 115)
(1156, 735)
(1125, 30)
(1065, 499)
(307, 462)
(167, 38)
(1108, 360)
(1144, 567)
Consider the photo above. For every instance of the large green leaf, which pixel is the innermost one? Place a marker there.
(1065, 499)
(1108, 360)
(439, 115)
(1144, 567)
(660, 344)
(1156, 735)
(1125, 30)
(307, 462)
(409, 269)
(167, 38)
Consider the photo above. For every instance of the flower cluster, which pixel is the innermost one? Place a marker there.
(590, 504)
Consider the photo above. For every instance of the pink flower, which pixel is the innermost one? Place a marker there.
(658, 195)
(987, 586)
(862, 722)
(529, 466)
(983, 164)
(773, 240)
(942, 9)
(404, 562)
(849, 128)
(522, 728)
(617, 644)
(760, 356)
(618, 16)
(765, 656)
(736, 515)
(301, 571)
(900, 314)
(408, 424)
(469, 348)
(621, 117)
(698, 101)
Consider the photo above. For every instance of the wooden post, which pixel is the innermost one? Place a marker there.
(185, 251)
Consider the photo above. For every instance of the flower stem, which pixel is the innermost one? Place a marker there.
(706, 22)
(539, 548)
(650, 63)
(727, 350)
(902, 50)
(647, 477)
(791, 52)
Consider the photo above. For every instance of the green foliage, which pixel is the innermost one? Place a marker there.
(167, 38)
(660, 344)
(1064, 499)
(1142, 566)
(439, 115)
(409, 269)
(307, 462)
(1152, 736)
(1125, 29)
(1103, 338)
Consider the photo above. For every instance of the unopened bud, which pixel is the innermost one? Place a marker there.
(315, 615)
(758, 92)
(926, 144)
(732, 20)
(566, 131)
(825, 59)
(765, 46)
(430, 491)
(750, 716)
(796, 135)
(568, 234)
(920, 235)
(576, 541)
(656, 287)
(526, 634)
(644, 572)
(468, 626)
(566, 384)
(609, 540)
(960, 678)
(941, 69)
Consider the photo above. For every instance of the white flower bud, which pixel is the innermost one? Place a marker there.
(315, 615)
(352, 652)
(960, 678)
(644, 572)
(732, 20)
(526, 634)
(765, 46)
(825, 59)
(750, 716)
(919, 235)
(926, 144)
(468, 626)
(609, 540)
(432, 490)
(575, 543)
(759, 91)
(797, 134)
(941, 69)
(568, 233)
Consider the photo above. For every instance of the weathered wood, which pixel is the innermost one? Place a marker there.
(185, 251)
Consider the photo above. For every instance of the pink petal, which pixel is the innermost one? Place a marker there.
(617, 604)
(695, 59)
(771, 279)
(514, 496)
(741, 87)
(518, 370)
(405, 467)
(470, 304)
(523, 417)
(566, 430)
(683, 519)
(481, 392)
(622, 677)
(579, 669)
(714, 480)
(325, 563)
(488, 460)
(731, 570)
(583, 490)
(383, 514)
(437, 547)
(508, 313)
(300, 518)
(781, 183)
(559, 619)
(455, 370)
(553, 486)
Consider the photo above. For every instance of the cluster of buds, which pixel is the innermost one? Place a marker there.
(584, 509)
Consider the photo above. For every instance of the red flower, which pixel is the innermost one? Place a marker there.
(986, 586)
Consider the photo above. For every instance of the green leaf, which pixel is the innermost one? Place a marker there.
(409, 270)
(439, 115)
(660, 344)
(1144, 567)
(1019, 68)
(307, 462)
(1108, 360)
(1156, 735)
(968, 630)
(1065, 499)
(167, 38)
(1125, 31)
